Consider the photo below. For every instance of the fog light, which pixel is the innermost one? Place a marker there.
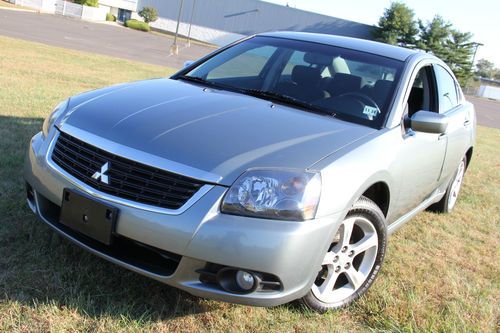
(245, 280)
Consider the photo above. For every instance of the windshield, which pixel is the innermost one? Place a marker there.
(348, 84)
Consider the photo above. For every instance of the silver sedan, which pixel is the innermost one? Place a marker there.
(271, 170)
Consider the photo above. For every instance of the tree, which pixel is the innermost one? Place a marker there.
(397, 26)
(149, 14)
(485, 68)
(434, 35)
(90, 3)
(496, 76)
(452, 46)
(459, 59)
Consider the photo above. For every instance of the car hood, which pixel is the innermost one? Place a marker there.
(219, 132)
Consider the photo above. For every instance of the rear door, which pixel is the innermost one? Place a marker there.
(450, 104)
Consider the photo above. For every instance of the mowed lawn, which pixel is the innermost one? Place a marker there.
(441, 271)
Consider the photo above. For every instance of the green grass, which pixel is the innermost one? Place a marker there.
(441, 271)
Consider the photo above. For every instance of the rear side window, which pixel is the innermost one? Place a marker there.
(447, 90)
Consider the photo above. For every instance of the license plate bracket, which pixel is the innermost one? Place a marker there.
(88, 216)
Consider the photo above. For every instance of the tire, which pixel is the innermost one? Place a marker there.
(448, 202)
(350, 266)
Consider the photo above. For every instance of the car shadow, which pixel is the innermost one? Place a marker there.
(38, 267)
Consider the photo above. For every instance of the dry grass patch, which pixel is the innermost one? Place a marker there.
(441, 272)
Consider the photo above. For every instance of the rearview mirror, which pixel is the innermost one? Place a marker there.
(429, 122)
(187, 63)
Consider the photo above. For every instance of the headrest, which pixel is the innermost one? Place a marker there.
(304, 75)
(382, 86)
(381, 90)
(318, 58)
(343, 83)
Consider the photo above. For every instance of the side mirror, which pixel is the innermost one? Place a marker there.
(187, 63)
(429, 122)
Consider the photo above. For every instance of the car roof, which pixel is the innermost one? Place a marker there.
(385, 50)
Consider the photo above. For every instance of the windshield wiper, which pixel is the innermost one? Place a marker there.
(264, 94)
(271, 95)
(200, 80)
(196, 79)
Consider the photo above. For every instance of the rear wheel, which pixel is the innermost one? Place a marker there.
(353, 259)
(448, 202)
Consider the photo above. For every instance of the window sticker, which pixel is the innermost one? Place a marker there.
(371, 111)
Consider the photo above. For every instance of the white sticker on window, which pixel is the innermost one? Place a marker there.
(371, 111)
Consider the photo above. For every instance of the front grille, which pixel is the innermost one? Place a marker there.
(126, 179)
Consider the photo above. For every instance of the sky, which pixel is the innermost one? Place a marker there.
(480, 17)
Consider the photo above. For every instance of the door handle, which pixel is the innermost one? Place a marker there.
(466, 122)
(441, 137)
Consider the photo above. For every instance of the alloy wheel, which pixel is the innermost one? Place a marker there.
(348, 262)
(455, 186)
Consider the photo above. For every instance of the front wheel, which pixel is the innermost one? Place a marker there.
(353, 259)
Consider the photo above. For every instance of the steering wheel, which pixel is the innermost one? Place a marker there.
(363, 98)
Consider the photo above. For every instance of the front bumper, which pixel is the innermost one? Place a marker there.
(200, 235)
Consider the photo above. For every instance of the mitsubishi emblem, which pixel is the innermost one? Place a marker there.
(102, 174)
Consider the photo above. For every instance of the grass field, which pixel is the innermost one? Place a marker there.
(441, 271)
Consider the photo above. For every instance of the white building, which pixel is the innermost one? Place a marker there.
(122, 9)
(224, 21)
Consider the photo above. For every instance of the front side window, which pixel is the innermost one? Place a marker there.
(344, 83)
(447, 90)
(422, 94)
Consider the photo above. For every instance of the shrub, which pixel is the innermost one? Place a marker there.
(149, 14)
(137, 25)
(110, 17)
(90, 3)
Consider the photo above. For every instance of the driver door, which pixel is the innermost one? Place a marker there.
(421, 155)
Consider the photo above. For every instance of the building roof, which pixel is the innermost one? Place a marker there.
(386, 50)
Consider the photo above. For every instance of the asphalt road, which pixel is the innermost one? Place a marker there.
(107, 39)
(126, 43)
(488, 111)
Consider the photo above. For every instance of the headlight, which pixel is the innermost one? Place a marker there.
(274, 194)
(49, 121)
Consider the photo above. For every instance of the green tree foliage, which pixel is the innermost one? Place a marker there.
(90, 3)
(485, 68)
(149, 14)
(397, 26)
(433, 36)
(460, 57)
(452, 46)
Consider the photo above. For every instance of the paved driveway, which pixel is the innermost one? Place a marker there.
(107, 39)
(488, 111)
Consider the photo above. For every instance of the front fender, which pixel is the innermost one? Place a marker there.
(348, 173)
